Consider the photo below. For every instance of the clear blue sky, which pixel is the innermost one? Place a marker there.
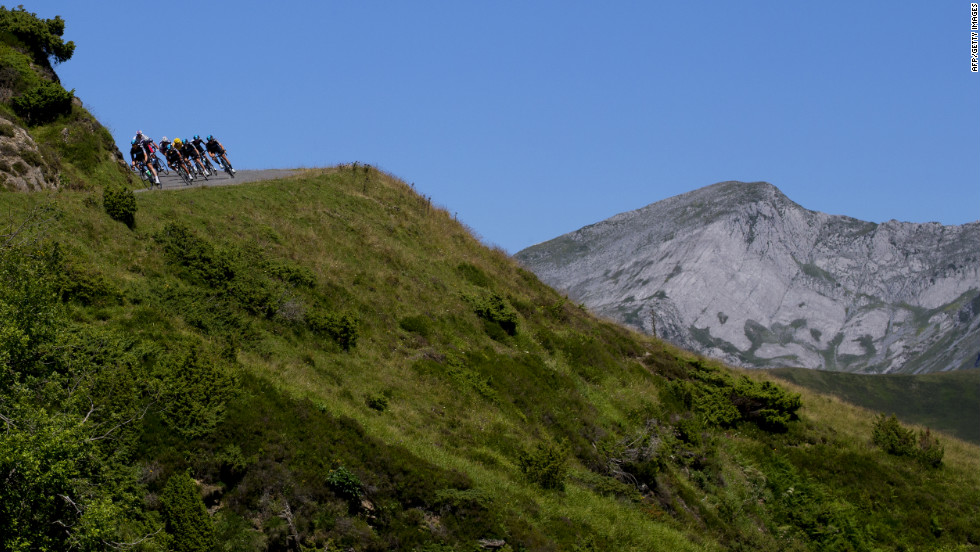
(533, 119)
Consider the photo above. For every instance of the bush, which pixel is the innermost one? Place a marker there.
(930, 451)
(492, 308)
(41, 36)
(342, 328)
(120, 204)
(377, 402)
(345, 483)
(720, 401)
(416, 324)
(546, 466)
(196, 391)
(186, 518)
(890, 436)
(43, 103)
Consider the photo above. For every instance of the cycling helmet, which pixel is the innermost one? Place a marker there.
(210, 137)
(133, 142)
(164, 139)
(197, 136)
(178, 141)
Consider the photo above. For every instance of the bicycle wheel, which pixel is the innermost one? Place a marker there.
(203, 171)
(144, 173)
(183, 176)
(161, 167)
(228, 169)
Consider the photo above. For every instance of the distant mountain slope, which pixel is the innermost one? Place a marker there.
(947, 402)
(740, 272)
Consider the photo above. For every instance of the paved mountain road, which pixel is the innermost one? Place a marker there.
(173, 182)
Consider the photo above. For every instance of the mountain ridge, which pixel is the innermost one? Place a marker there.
(819, 290)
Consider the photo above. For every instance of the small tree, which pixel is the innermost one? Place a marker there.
(893, 438)
(43, 103)
(120, 204)
(889, 435)
(547, 465)
(42, 37)
(186, 518)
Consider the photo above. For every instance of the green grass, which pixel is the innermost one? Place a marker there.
(430, 411)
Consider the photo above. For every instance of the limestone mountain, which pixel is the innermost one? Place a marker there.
(740, 272)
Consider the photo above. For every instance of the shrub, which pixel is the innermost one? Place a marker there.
(930, 451)
(43, 103)
(377, 402)
(345, 483)
(196, 390)
(767, 405)
(41, 36)
(203, 261)
(120, 204)
(291, 273)
(546, 466)
(492, 308)
(342, 328)
(416, 324)
(890, 436)
(185, 516)
(87, 288)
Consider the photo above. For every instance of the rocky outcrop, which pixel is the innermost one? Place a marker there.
(22, 166)
(740, 272)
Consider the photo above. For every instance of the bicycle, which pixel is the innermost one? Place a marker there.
(160, 167)
(182, 173)
(225, 164)
(144, 172)
(199, 168)
(208, 165)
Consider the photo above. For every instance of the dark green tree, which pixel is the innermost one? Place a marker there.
(41, 37)
(43, 103)
(120, 204)
(186, 518)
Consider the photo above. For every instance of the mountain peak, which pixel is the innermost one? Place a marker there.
(738, 271)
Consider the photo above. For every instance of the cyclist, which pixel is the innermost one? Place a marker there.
(217, 150)
(138, 154)
(190, 154)
(151, 149)
(201, 149)
(174, 158)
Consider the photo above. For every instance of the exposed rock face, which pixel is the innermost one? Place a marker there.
(739, 272)
(22, 167)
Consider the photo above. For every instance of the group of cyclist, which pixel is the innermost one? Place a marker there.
(189, 156)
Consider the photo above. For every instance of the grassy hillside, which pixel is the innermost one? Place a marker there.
(948, 402)
(336, 364)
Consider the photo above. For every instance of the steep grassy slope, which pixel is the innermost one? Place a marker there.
(947, 402)
(339, 364)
